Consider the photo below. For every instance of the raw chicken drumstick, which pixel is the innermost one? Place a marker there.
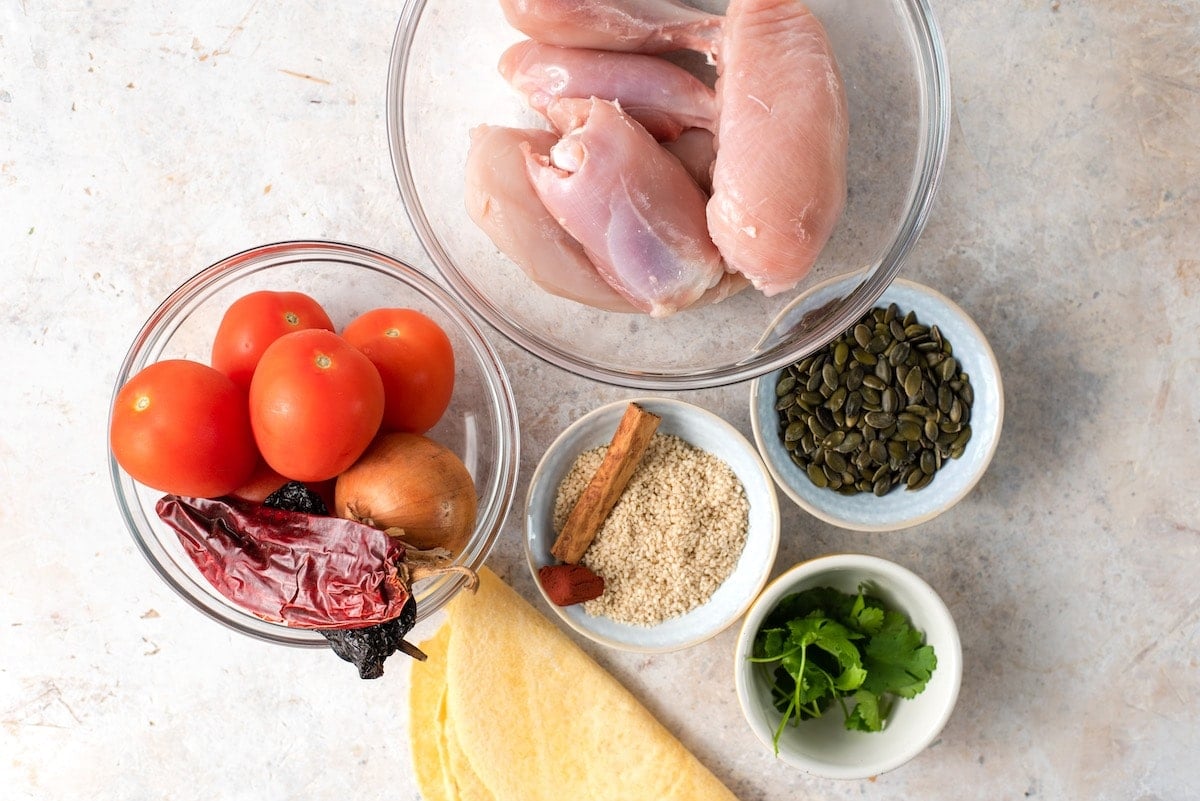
(779, 181)
(632, 26)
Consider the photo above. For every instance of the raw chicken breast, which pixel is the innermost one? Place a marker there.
(631, 26)
(633, 207)
(664, 97)
(779, 181)
(501, 201)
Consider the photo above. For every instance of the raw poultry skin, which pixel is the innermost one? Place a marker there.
(502, 202)
(632, 26)
(779, 181)
(633, 207)
(664, 97)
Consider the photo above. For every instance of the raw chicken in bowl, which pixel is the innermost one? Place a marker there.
(634, 190)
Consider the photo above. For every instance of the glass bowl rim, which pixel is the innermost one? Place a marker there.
(226, 270)
(933, 138)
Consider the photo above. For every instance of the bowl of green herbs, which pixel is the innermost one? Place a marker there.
(848, 666)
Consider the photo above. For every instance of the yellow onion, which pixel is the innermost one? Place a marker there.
(413, 487)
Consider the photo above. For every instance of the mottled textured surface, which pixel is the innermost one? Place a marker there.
(140, 142)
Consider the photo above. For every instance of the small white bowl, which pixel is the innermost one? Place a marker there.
(823, 746)
(706, 431)
(900, 508)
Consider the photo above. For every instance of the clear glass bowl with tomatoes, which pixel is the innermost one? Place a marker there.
(216, 332)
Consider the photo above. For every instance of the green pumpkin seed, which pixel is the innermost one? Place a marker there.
(829, 376)
(854, 378)
(948, 368)
(836, 461)
(912, 384)
(837, 399)
(841, 355)
(966, 394)
(813, 399)
(908, 431)
(864, 358)
(850, 442)
(817, 476)
(853, 404)
(834, 439)
(879, 419)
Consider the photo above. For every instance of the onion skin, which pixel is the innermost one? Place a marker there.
(410, 482)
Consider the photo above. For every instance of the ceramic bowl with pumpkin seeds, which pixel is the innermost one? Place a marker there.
(891, 423)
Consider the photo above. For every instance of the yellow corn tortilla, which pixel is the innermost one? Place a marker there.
(461, 773)
(531, 717)
(442, 770)
(427, 707)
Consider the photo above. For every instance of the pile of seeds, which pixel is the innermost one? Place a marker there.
(881, 406)
(671, 540)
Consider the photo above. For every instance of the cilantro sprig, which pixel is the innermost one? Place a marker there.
(829, 647)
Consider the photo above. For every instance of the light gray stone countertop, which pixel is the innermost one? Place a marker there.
(140, 142)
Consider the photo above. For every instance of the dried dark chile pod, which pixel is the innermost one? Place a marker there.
(368, 648)
(296, 497)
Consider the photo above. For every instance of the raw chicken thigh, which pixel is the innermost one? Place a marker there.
(779, 181)
(501, 201)
(633, 207)
(631, 26)
(664, 97)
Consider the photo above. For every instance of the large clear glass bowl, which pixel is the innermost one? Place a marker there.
(480, 424)
(443, 81)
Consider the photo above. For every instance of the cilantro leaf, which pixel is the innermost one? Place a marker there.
(866, 715)
(867, 618)
(896, 659)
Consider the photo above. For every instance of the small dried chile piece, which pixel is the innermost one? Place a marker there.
(296, 497)
(570, 584)
(368, 648)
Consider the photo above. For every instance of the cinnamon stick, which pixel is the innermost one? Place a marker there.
(628, 444)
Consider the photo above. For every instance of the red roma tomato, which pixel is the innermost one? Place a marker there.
(416, 361)
(315, 404)
(256, 320)
(182, 427)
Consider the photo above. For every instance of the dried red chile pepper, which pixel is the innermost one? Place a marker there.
(306, 571)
